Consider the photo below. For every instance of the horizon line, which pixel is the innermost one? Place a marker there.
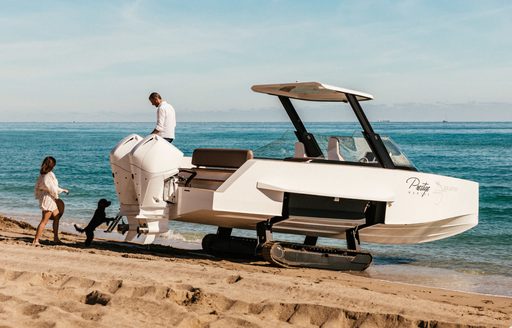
(283, 121)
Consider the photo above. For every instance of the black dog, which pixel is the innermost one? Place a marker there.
(98, 218)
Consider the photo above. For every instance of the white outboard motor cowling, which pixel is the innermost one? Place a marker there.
(122, 174)
(152, 161)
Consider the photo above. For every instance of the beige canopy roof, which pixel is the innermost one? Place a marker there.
(313, 91)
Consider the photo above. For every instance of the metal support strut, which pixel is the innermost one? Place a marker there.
(352, 236)
(264, 231)
(224, 232)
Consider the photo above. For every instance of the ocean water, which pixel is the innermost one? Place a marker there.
(478, 260)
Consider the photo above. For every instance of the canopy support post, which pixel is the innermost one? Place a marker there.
(373, 139)
(310, 145)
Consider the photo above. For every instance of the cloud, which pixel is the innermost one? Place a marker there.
(63, 57)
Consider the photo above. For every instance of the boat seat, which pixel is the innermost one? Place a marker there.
(333, 149)
(213, 166)
(300, 150)
(300, 155)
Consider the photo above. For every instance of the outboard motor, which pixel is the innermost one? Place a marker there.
(121, 171)
(152, 161)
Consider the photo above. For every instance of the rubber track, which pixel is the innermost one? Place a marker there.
(223, 247)
(267, 249)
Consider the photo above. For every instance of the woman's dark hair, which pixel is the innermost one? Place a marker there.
(47, 165)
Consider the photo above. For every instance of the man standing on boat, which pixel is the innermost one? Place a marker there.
(165, 117)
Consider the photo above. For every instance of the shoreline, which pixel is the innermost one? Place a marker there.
(425, 276)
(160, 285)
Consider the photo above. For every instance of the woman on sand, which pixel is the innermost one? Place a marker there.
(47, 191)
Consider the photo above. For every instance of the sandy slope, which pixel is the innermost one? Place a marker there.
(113, 285)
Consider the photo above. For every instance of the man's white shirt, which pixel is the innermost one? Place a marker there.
(165, 120)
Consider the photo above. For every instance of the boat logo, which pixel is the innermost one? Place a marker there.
(416, 187)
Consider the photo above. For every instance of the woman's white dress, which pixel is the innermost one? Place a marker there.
(47, 191)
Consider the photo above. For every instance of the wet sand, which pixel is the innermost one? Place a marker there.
(117, 284)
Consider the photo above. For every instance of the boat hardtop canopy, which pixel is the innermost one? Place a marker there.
(312, 91)
(316, 91)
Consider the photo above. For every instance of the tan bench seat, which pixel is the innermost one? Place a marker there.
(213, 166)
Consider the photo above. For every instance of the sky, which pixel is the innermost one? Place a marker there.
(99, 60)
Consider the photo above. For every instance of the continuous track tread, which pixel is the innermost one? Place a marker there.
(222, 247)
(314, 256)
(266, 253)
(267, 256)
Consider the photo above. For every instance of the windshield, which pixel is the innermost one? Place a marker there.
(355, 149)
(352, 148)
(397, 156)
(283, 147)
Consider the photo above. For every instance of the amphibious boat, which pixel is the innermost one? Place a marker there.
(361, 188)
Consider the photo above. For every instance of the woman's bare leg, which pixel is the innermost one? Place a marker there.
(57, 214)
(44, 220)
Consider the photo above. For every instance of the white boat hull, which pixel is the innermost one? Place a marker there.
(332, 228)
(419, 207)
(448, 208)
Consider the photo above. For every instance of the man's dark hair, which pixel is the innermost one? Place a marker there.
(155, 95)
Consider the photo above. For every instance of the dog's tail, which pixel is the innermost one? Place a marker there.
(78, 228)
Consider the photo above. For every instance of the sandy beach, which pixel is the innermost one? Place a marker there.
(114, 284)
